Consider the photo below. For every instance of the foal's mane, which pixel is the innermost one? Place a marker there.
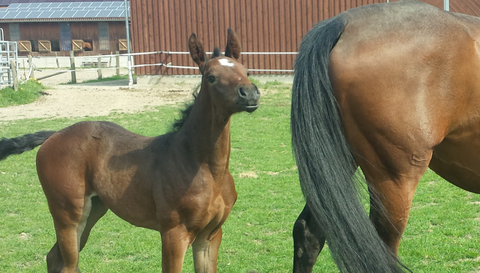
(178, 123)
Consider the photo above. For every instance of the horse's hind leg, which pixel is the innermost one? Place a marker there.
(205, 251)
(69, 217)
(98, 211)
(55, 260)
(391, 195)
(308, 241)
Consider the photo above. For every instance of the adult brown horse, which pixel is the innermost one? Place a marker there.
(392, 88)
(178, 183)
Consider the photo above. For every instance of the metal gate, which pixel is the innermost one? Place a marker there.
(8, 52)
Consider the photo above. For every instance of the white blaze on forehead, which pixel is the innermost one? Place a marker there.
(226, 62)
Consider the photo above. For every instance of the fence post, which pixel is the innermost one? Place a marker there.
(30, 62)
(99, 68)
(56, 59)
(13, 68)
(72, 67)
(118, 62)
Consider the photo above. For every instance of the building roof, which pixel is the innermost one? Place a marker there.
(6, 3)
(63, 11)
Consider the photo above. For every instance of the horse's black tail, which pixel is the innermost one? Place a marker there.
(18, 145)
(325, 162)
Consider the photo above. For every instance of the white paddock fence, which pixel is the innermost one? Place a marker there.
(78, 64)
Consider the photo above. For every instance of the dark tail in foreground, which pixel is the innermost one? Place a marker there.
(18, 145)
(325, 162)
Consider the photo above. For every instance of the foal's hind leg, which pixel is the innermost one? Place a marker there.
(69, 221)
(98, 211)
(73, 223)
(205, 251)
(55, 261)
(308, 241)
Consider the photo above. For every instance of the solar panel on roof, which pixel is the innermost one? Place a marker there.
(116, 4)
(22, 14)
(54, 5)
(10, 15)
(34, 5)
(14, 5)
(2, 14)
(64, 10)
(80, 14)
(117, 13)
(92, 14)
(96, 5)
(57, 14)
(33, 15)
(65, 4)
(45, 14)
(68, 14)
(104, 13)
(74, 4)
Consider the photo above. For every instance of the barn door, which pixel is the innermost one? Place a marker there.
(14, 31)
(103, 36)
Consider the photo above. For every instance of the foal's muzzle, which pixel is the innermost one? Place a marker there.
(248, 96)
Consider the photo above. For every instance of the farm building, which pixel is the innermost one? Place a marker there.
(53, 27)
(263, 26)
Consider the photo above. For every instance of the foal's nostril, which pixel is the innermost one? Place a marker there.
(241, 92)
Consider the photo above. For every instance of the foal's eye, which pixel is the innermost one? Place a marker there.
(211, 79)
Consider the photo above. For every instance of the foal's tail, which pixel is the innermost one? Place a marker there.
(325, 162)
(18, 145)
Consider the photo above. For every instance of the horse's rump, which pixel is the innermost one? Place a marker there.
(395, 84)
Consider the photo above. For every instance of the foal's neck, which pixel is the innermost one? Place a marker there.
(207, 131)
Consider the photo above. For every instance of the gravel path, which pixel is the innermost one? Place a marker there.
(99, 99)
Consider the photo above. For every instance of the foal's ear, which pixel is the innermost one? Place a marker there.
(196, 50)
(234, 48)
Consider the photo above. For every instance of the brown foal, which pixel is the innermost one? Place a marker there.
(178, 183)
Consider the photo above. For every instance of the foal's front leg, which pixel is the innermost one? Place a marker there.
(205, 251)
(175, 243)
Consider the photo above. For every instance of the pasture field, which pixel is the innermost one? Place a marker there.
(442, 235)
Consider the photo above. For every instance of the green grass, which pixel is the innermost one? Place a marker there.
(442, 235)
(27, 92)
(106, 79)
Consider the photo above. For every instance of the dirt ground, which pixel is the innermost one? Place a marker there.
(103, 98)
(99, 99)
